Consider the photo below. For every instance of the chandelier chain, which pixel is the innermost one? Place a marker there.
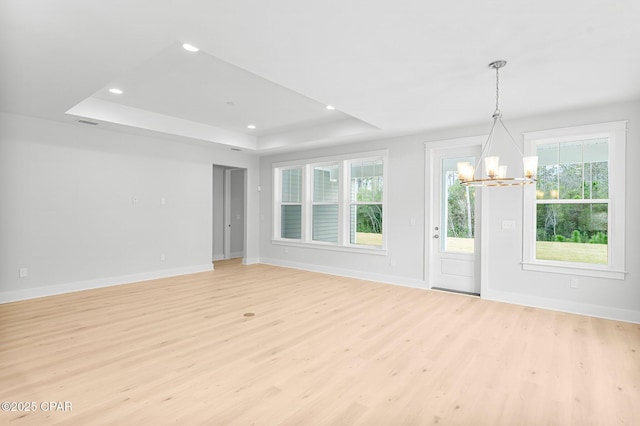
(497, 90)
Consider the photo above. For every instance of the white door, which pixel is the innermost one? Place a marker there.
(453, 260)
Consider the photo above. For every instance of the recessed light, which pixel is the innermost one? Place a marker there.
(189, 47)
(330, 107)
(251, 126)
(116, 91)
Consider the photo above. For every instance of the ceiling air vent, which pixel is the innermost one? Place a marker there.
(93, 123)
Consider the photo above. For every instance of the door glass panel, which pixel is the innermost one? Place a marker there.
(457, 227)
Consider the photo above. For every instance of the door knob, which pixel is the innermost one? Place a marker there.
(436, 236)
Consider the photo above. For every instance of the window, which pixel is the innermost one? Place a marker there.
(365, 202)
(334, 203)
(325, 203)
(291, 204)
(575, 219)
(572, 202)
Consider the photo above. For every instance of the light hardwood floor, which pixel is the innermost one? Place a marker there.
(319, 349)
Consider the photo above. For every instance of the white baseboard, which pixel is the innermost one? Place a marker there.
(251, 260)
(351, 273)
(598, 311)
(499, 296)
(33, 293)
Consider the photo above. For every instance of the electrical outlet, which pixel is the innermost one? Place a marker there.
(23, 272)
(135, 200)
(574, 283)
(163, 257)
(163, 201)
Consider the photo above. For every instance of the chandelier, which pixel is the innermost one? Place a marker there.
(496, 173)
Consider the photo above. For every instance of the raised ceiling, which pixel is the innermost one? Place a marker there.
(388, 67)
(197, 95)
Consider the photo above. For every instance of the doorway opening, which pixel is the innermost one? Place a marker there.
(229, 212)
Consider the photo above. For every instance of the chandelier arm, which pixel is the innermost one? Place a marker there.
(512, 138)
(486, 146)
(497, 91)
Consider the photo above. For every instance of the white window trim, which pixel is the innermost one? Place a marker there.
(616, 131)
(307, 165)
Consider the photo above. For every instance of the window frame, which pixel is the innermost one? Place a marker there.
(344, 180)
(615, 267)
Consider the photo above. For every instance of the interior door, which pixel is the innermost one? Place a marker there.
(454, 260)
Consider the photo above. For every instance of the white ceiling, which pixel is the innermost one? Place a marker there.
(389, 67)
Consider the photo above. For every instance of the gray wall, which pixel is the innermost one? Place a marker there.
(81, 206)
(405, 259)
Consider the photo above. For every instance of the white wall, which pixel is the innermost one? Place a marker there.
(68, 212)
(506, 281)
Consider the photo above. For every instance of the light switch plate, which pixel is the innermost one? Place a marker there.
(508, 224)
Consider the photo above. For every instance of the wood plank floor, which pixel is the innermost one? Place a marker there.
(318, 349)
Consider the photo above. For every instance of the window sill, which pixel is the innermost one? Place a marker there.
(574, 270)
(349, 249)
